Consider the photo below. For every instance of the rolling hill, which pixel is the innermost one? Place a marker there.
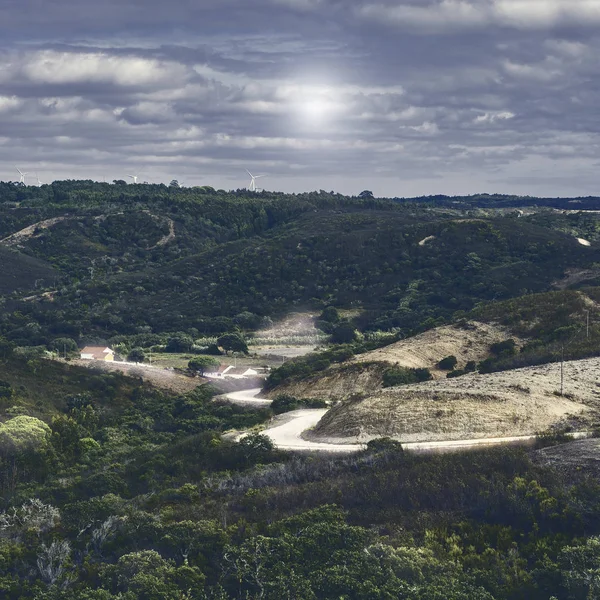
(519, 402)
(148, 258)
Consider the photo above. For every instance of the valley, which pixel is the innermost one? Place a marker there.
(312, 395)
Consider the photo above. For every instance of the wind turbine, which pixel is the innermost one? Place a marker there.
(134, 177)
(38, 180)
(22, 179)
(252, 187)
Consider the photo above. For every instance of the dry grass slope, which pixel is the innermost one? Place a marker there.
(512, 403)
(468, 342)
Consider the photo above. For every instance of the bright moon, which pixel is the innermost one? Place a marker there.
(316, 105)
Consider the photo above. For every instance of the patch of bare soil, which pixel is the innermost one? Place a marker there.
(336, 383)
(294, 325)
(160, 378)
(470, 341)
(169, 237)
(512, 403)
(31, 231)
(576, 276)
(580, 456)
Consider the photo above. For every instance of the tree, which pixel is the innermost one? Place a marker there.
(201, 364)
(366, 194)
(136, 355)
(330, 314)
(448, 363)
(232, 342)
(23, 433)
(52, 560)
(344, 333)
(174, 184)
(64, 346)
(179, 343)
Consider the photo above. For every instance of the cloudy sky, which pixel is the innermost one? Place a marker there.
(403, 97)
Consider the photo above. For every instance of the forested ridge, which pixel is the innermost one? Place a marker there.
(112, 489)
(123, 259)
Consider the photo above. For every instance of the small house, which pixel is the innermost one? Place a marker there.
(233, 372)
(97, 353)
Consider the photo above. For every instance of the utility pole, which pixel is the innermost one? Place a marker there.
(587, 324)
(562, 369)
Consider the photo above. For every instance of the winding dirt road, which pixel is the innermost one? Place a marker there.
(287, 429)
(286, 432)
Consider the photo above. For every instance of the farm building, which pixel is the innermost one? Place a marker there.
(97, 353)
(233, 372)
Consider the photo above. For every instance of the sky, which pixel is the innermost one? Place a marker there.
(400, 97)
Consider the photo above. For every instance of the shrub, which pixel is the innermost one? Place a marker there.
(64, 346)
(456, 373)
(5, 390)
(448, 363)
(403, 376)
(179, 343)
(136, 355)
(330, 314)
(384, 444)
(344, 333)
(505, 348)
(286, 403)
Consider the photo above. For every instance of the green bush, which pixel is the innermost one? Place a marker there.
(404, 376)
(504, 348)
(448, 363)
(136, 355)
(286, 403)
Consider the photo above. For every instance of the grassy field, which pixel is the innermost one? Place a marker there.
(174, 360)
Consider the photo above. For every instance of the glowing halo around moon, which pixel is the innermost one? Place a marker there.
(314, 106)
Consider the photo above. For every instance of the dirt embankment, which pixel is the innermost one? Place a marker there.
(363, 374)
(336, 383)
(578, 457)
(158, 377)
(470, 341)
(519, 402)
(32, 231)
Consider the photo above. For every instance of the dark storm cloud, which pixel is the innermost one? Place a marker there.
(402, 97)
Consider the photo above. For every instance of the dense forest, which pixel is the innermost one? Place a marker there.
(113, 489)
(101, 260)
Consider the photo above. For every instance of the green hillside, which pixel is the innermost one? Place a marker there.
(21, 272)
(134, 259)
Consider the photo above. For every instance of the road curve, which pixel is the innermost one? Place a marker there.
(287, 435)
(247, 397)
